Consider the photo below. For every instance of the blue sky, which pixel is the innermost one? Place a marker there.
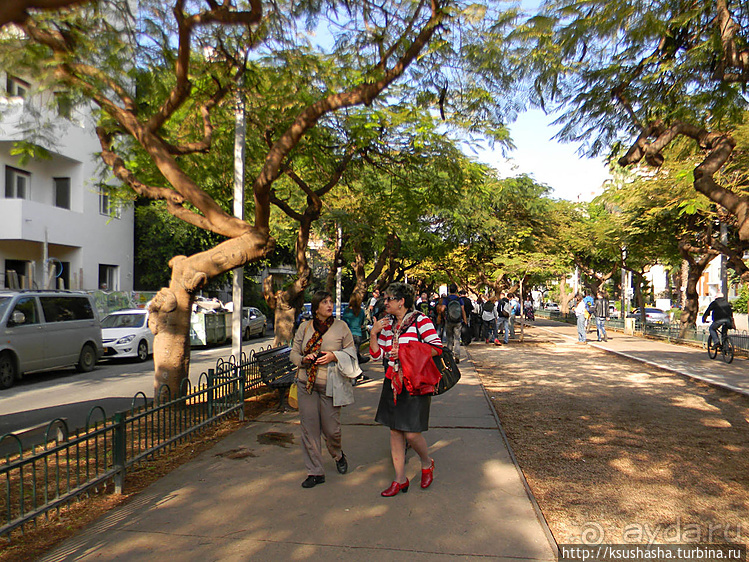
(550, 162)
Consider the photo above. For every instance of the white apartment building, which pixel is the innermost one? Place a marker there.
(55, 225)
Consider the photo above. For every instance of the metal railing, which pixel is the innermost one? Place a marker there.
(670, 332)
(47, 477)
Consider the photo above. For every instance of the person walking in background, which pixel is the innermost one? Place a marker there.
(370, 312)
(589, 306)
(455, 317)
(439, 316)
(489, 320)
(354, 317)
(581, 311)
(407, 416)
(503, 317)
(514, 312)
(324, 351)
(601, 311)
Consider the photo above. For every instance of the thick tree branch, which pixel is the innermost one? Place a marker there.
(363, 94)
(185, 26)
(17, 11)
(204, 144)
(657, 136)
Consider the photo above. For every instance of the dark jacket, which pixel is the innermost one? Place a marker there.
(720, 308)
(601, 308)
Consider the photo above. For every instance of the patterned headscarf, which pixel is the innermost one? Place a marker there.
(313, 346)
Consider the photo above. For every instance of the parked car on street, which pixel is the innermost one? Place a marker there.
(652, 315)
(44, 330)
(552, 306)
(125, 333)
(613, 312)
(254, 322)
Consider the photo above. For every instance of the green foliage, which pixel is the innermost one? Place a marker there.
(742, 302)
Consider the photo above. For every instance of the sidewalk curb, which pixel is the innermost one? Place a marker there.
(536, 508)
(626, 355)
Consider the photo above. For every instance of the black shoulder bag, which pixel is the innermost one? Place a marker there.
(445, 362)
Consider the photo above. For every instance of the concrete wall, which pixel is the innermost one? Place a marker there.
(81, 235)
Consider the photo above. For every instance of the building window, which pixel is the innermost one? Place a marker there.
(17, 183)
(62, 192)
(64, 105)
(107, 207)
(17, 87)
(109, 277)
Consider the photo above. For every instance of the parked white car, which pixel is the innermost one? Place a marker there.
(125, 333)
(254, 322)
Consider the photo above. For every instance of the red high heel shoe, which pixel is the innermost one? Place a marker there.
(427, 476)
(395, 488)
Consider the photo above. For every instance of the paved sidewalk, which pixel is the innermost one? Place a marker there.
(687, 360)
(253, 508)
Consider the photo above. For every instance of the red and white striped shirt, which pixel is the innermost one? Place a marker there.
(385, 338)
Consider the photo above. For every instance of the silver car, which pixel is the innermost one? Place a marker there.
(42, 330)
(652, 315)
(254, 322)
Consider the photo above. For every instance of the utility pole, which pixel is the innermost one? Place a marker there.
(723, 261)
(339, 273)
(238, 273)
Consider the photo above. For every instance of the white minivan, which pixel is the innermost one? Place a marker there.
(42, 330)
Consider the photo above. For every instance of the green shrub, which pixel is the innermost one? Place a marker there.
(740, 304)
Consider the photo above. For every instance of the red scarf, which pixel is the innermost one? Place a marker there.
(313, 346)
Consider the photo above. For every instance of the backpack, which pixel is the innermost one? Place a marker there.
(488, 306)
(454, 311)
(506, 309)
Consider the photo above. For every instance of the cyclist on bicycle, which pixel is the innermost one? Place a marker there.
(722, 317)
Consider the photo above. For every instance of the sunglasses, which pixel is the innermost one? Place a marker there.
(388, 299)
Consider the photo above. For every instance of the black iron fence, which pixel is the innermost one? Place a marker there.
(670, 331)
(45, 478)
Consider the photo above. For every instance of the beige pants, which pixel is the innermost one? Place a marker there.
(318, 417)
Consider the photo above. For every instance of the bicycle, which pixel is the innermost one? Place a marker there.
(725, 346)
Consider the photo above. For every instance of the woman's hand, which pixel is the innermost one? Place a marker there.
(309, 359)
(379, 325)
(327, 357)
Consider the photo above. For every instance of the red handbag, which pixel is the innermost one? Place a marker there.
(420, 374)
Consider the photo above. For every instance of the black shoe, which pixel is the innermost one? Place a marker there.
(342, 464)
(313, 481)
(363, 360)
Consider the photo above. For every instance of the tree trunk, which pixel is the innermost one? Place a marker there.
(171, 308)
(284, 317)
(564, 296)
(684, 283)
(691, 306)
(286, 303)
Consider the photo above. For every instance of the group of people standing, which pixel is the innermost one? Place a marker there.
(586, 307)
(466, 320)
(327, 354)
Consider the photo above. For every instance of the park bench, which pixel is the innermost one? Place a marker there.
(277, 371)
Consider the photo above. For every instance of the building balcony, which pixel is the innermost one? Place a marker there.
(21, 219)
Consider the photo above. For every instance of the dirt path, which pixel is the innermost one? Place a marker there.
(619, 452)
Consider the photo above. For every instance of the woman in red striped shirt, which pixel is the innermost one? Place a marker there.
(407, 416)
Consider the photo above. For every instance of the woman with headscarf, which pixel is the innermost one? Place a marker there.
(325, 353)
(406, 415)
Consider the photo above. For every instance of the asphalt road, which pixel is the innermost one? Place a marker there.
(42, 397)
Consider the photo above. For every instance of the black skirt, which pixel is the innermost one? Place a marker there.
(411, 413)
